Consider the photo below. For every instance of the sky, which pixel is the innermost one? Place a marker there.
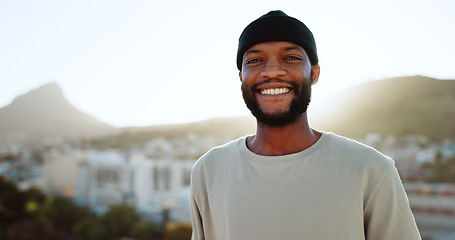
(149, 62)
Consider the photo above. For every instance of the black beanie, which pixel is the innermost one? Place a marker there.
(277, 26)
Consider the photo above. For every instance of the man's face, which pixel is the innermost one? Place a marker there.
(276, 82)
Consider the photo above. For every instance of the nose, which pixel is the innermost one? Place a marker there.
(273, 69)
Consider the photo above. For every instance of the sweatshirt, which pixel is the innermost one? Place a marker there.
(337, 188)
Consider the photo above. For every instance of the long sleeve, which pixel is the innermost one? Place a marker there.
(336, 189)
(196, 220)
(387, 214)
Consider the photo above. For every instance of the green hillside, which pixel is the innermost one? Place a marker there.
(223, 128)
(398, 106)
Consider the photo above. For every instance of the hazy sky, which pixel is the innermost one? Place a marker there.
(148, 62)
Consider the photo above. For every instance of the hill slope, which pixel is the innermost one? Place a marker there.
(397, 106)
(221, 128)
(44, 112)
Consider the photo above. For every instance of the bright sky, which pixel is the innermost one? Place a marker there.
(149, 62)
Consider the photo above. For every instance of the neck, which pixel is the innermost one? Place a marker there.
(277, 141)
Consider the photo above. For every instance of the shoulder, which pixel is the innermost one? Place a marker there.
(366, 165)
(218, 155)
(352, 151)
(208, 167)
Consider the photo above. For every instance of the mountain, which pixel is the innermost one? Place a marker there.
(219, 128)
(397, 106)
(44, 112)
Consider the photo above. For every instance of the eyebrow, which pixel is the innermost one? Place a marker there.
(285, 49)
(251, 51)
(293, 48)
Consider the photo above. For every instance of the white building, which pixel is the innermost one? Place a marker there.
(433, 206)
(110, 177)
(102, 180)
(60, 171)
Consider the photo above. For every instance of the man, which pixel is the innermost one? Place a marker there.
(289, 181)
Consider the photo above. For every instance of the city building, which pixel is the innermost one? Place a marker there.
(433, 206)
(152, 186)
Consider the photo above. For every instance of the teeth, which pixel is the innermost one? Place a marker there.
(274, 91)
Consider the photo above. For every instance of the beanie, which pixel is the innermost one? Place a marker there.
(277, 26)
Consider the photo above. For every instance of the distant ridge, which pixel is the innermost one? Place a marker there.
(44, 112)
(228, 128)
(399, 106)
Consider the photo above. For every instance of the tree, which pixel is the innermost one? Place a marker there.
(441, 171)
(119, 220)
(29, 215)
(35, 199)
(144, 230)
(178, 231)
(40, 228)
(89, 228)
(12, 202)
(34, 194)
(63, 213)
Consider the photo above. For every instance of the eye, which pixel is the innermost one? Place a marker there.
(293, 58)
(253, 60)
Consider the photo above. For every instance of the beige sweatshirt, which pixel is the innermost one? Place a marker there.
(336, 189)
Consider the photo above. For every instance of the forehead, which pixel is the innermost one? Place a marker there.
(274, 46)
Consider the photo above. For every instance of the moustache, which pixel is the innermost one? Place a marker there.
(269, 80)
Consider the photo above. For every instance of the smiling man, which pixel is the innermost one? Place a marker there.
(289, 181)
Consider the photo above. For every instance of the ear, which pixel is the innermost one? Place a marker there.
(316, 70)
(240, 76)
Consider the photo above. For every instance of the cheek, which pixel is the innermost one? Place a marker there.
(249, 72)
(246, 79)
(303, 72)
(243, 86)
(243, 75)
(247, 89)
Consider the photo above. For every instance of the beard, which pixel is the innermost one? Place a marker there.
(298, 106)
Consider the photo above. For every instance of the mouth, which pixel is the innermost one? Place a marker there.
(274, 91)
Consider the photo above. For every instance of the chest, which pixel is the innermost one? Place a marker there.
(295, 199)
